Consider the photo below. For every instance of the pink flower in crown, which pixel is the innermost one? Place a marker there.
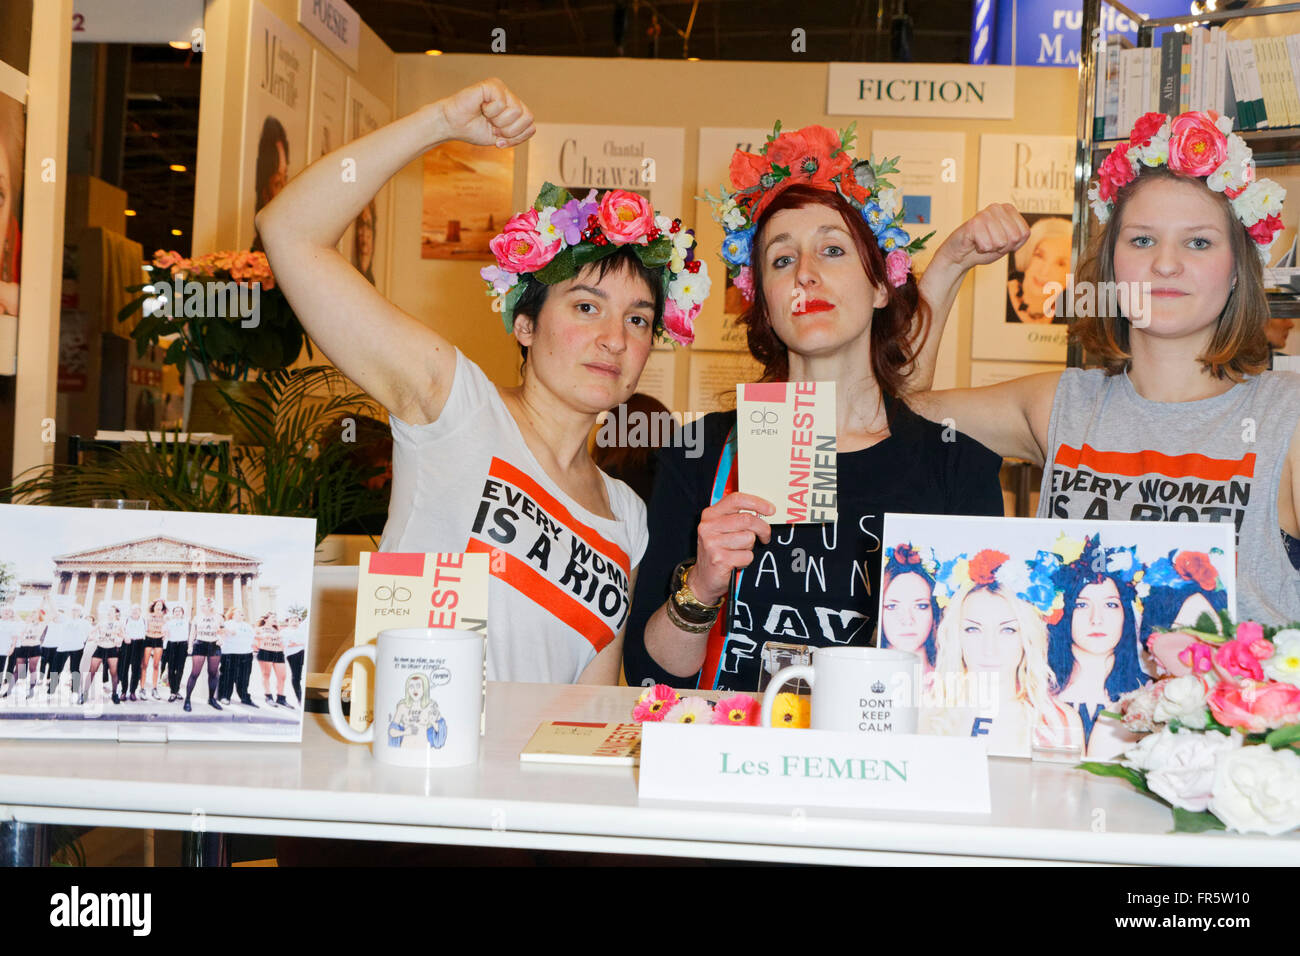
(1114, 172)
(654, 703)
(897, 266)
(1254, 707)
(1242, 656)
(626, 217)
(519, 248)
(744, 281)
(1147, 125)
(680, 325)
(1265, 230)
(1196, 145)
(739, 710)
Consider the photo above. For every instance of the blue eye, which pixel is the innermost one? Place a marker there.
(1204, 243)
(834, 250)
(779, 260)
(1141, 241)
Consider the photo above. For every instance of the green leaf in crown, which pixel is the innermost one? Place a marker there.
(551, 195)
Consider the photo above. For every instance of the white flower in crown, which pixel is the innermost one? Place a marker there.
(1261, 199)
(682, 241)
(663, 224)
(676, 260)
(1224, 123)
(887, 200)
(1235, 171)
(1100, 207)
(1154, 153)
(689, 288)
(548, 232)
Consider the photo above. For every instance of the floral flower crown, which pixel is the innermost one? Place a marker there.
(1199, 144)
(1051, 571)
(813, 156)
(1184, 569)
(559, 235)
(989, 568)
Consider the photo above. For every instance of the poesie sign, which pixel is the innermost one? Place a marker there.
(813, 767)
(336, 25)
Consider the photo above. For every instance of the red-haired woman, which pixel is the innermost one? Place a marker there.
(816, 240)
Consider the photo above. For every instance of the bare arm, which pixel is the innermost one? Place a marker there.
(1288, 498)
(1011, 417)
(407, 366)
(604, 667)
(990, 234)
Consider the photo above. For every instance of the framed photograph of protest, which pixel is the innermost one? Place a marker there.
(152, 625)
(1018, 315)
(1028, 628)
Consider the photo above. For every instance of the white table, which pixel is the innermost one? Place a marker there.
(327, 788)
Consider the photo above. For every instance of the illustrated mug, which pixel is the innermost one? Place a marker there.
(856, 689)
(428, 697)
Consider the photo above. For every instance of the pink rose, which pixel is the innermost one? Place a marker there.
(1114, 172)
(1254, 707)
(680, 325)
(744, 281)
(519, 248)
(1196, 146)
(1148, 125)
(626, 217)
(1241, 657)
(897, 266)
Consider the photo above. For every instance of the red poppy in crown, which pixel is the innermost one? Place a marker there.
(984, 566)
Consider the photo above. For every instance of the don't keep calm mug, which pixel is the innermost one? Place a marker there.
(856, 689)
(428, 696)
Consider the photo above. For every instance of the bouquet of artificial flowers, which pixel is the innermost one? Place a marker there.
(661, 703)
(1222, 726)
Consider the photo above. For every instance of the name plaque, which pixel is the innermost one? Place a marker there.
(814, 768)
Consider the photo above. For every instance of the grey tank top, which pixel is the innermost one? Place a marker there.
(1114, 455)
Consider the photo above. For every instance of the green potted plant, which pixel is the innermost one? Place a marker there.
(220, 318)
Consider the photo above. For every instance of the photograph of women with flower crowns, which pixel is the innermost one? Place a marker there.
(1028, 642)
(585, 284)
(814, 239)
(1182, 422)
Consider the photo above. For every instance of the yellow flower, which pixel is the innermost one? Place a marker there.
(791, 710)
(1068, 548)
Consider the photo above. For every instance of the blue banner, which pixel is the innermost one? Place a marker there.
(1046, 32)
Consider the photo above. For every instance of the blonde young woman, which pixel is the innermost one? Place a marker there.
(991, 677)
(270, 658)
(25, 660)
(1182, 422)
(155, 628)
(584, 297)
(104, 643)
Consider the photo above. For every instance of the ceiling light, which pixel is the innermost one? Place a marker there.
(177, 232)
(433, 53)
(129, 212)
(176, 168)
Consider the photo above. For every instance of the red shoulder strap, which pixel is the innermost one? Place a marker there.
(724, 483)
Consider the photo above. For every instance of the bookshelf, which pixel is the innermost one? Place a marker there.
(1271, 147)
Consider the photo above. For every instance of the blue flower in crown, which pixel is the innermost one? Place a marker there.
(876, 217)
(737, 246)
(894, 238)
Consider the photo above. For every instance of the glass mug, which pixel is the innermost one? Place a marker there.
(856, 689)
(428, 696)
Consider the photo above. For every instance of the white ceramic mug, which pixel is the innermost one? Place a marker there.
(428, 697)
(856, 689)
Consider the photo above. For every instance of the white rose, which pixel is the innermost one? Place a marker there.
(689, 289)
(1257, 790)
(1260, 199)
(1181, 767)
(1184, 701)
(887, 199)
(1284, 665)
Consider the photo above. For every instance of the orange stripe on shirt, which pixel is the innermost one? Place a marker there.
(508, 472)
(546, 594)
(1137, 463)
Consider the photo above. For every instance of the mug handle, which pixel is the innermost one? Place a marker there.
(782, 677)
(336, 695)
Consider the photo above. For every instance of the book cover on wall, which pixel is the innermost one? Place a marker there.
(365, 244)
(786, 448)
(1029, 628)
(930, 180)
(646, 160)
(572, 741)
(716, 326)
(401, 590)
(327, 124)
(467, 196)
(153, 625)
(13, 136)
(276, 104)
(1015, 312)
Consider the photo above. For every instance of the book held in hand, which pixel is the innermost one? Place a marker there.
(785, 435)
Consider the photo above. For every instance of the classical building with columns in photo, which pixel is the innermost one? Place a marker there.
(143, 570)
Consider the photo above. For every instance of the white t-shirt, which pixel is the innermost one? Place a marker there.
(177, 630)
(9, 631)
(294, 640)
(135, 628)
(560, 574)
(238, 639)
(73, 635)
